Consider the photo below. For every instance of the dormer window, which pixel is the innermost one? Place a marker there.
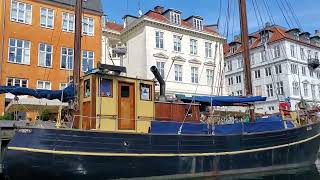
(197, 24)
(264, 38)
(233, 49)
(175, 18)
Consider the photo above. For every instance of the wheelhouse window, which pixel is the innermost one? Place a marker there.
(87, 60)
(46, 17)
(17, 82)
(145, 92)
(106, 87)
(159, 39)
(68, 21)
(20, 12)
(19, 51)
(87, 90)
(66, 58)
(45, 55)
(44, 85)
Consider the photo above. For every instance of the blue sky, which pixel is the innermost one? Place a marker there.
(306, 11)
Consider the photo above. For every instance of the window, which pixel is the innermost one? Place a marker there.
(197, 24)
(87, 26)
(295, 88)
(106, 87)
(230, 81)
(208, 49)
(313, 91)
(265, 38)
(302, 54)
(318, 75)
(239, 93)
(178, 72)
(278, 69)
(229, 65)
(194, 75)
(269, 90)
(305, 89)
(303, 70)
(114, 54)
(177, 43)
(87, 60)
(175, 18)
(258, 91)
(68, 22)
(87, 91)
(316, 55)
(268, 71)
(209, 77)
(318, 90)
(293, 51)
(17, 82)
(45, 55)
(160, 66)
(21, 12)
(66, 58)
(233, 49)
(309, 54)
(263, 56)
(311, 73)
(257, 74)
(19, 51)
(280, 90)
(294, 69)
(46, 17)
(240, 63)
(145, 92)
(271, 108)
(63, 85)
(159, 39)
(238, 79)
(276, 51)
(252, 60)
(193, 47)
(44, 85)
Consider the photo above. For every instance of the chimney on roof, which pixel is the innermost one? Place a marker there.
(158, 9)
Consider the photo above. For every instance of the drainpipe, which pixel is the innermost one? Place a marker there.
(2, 37)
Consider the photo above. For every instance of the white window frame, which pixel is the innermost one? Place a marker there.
(229, 65)
(303, 71)
(193, 46)
(208, 49)
(26, 12)
(209, 77)
(44, 84)
(313, 91)
(70, 19)
(276, 51)
(278, 68)
(177, 43)
(67, 58)
(178, 72)
(268, 71)
(302, 53)
(63, 84)
(46, 53)
(293, 50)
(295, 88)
(305, 89)
(240, 63)
(25, 54)
(175, 18)
(195, 75)
(197, 24)
(161, 67)
(238, 79)
(280, 88)
(159, 39)
(47, 16)
(257, 74)
(294, 68)
(269, 90)
(263, 56)
(17, 79)
(86, 21)
(85, 56)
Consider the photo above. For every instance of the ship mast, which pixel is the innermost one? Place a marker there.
(77, 57)
(246, 54)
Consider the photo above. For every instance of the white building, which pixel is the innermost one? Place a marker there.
(279, 61)
(188, 54)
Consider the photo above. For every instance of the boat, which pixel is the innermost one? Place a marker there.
(122, 130)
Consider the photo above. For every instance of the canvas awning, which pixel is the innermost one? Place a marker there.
(34, 104)
(224, 100)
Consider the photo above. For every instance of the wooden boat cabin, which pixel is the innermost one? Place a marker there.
(110, 101)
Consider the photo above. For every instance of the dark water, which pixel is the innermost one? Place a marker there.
(306, 173)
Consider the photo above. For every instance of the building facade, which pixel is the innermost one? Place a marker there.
(281, 71)
(37, 42)
(188, 54)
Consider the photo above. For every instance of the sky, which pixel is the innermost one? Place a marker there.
(304, 14)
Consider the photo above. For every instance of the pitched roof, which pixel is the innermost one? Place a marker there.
(94, 5)
(114, 26)
(278, 33)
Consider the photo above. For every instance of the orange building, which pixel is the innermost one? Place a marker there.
(37, 39)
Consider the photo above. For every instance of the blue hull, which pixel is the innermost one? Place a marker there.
(65, 154)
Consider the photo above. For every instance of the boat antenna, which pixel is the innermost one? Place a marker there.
(77, 56)
(246, 54)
